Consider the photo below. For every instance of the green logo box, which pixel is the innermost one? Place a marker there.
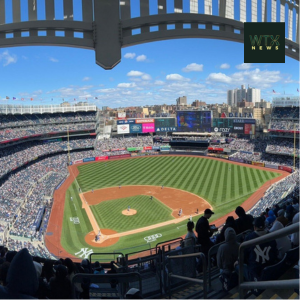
(264, 42)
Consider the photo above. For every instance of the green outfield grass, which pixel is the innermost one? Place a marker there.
(149, 212)
(222, 184)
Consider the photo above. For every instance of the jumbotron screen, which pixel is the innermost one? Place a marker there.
(196, 121)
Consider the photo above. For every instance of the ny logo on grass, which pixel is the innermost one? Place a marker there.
(84, 252)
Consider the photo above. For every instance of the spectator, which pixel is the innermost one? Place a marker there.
(204, 231)
(284, 243)
(22, 281)
(4, 267)
(289, 213)
(255, 258)
(60, 285)
(295, 236)
(85, 266)
(228, 252)
(229, 223)
(244, 222)
(98, 269)
(270, 219)
(190, 239)
(47, 271)
(71, 268)
(296, 204)
(281, 217)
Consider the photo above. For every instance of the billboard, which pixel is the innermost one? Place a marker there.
(140, 121)
(135, 128)
(119, 122)
(121, 115)
(148, 127)
(238, 128)
(165, 129)
(197, 121)
(123, 128)
(164, 122)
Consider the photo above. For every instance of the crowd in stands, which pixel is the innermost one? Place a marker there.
(285, 113)
(284, 125)
(17, 155)
(13, 133)
(123, 142)
(283, 146)
(39, 119)
(239, 144)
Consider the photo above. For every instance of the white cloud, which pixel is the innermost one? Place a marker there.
(141, 57)
(224, 66)
(244, 66)
(146, 77)
(129, 55)
(53, 59)
(135, 73)
(8, 58)
(193, 67)
(176, 77)
(126, 85)
(219, 77)
(159, 82)
(86, 78)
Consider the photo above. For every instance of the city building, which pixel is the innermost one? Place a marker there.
(181, 101)
(198, 103)
(236, 96)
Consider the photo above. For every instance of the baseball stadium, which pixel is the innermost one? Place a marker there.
(179, 202)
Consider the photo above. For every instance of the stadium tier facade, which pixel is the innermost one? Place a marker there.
(106, 26)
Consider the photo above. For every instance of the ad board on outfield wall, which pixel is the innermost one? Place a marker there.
(78, 161)
(97, 158)
(148, 127)
(89, 159)
(122, 129)
(136, 128)
(236, 159)
(271, 166)
(256, 163)
(119, 156)
(284, 168)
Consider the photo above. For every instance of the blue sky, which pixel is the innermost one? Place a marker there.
(151, 73)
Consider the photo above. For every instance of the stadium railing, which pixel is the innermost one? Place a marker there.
(173, 242)
(113, 286)
(185, 262)
(262, 285)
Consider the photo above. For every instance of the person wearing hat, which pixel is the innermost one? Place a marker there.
(281, 218)
(244, 221)
(204, 231)
(60, 285)
(257, 257)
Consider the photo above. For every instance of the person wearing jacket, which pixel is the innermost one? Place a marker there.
(228, 252)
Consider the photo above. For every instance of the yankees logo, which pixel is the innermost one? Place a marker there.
(84, 252)
(264, 254)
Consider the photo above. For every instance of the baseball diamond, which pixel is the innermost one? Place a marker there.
(110, 187)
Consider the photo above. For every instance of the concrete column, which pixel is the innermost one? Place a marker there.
(243, 11)
(254, 11)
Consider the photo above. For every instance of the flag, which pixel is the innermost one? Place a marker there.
(14, 98)
(31, 99)
(7, 97)
(74, 99)
(274, 92)
(22, 99)
(298, 90)
(96, 98)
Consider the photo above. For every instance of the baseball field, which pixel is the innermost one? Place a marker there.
(135, 203)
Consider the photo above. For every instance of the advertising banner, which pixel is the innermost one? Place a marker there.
(215, 149)
(119, 156)
(238, 128)
(131, 149)
(279, 130)
(271, 166)
(122, 129)
(97, 158)
(140, 121)
(38, 218)
(244, 121)
(105, 150)
(155, 147)
(247, 152)
(284, 168)
(78, 161)
(165, 148)
(89, 159)
(256, 163)
(221, 129)
(236, 159)
(166, 129)
(247, 129)
(149, 127)
(136, 128)
(148, 148)
(119, 122)
(122, 115)
(60, 184)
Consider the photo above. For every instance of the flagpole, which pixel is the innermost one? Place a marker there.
(294, 147)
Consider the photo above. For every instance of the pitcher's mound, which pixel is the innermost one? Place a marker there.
(129, 213)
